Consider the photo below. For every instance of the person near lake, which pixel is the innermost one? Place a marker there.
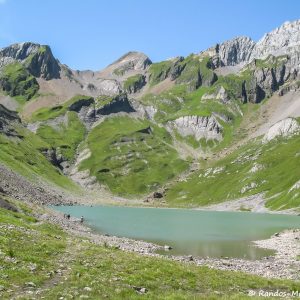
(81, 219)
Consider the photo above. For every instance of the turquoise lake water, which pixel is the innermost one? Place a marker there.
(189, 232)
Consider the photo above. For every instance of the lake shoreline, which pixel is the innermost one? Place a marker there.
(283, 264)
(227, 206)
(253, 203)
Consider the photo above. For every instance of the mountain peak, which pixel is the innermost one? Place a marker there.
(283, 40)
(37, 58)
(133, 56)
(21, 51)
(132, 60)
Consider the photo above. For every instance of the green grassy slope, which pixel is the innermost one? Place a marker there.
(17, 82)
(127, 159)
(47, 113)
(24, 156)
(178, 102)
(40, 257)
(133, 163)
(272, 168)
(65, 136)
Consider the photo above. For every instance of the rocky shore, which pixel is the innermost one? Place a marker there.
(74, 227)
(284, 264)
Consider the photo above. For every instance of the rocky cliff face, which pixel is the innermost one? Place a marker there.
(17, 52)
(199, 127)
(281, 41)
(118, 104)
(284, 40)
(232, 52)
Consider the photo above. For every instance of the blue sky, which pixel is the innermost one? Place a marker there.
(93, 33)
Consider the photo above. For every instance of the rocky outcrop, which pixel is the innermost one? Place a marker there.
(38, 59)
(17, 52)
(176, 68)
(54, 156)
(8, 120)
(134, 83)
(119, 104)
(283, 128)
(79, 104)
(43, 64)
(232, 52)
(199, 127)
(108, 87)
(220, 95)
(147, 130)
(235, 51)
(195, 72)
(144, 111)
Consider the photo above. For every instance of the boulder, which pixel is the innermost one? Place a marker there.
(157, 195)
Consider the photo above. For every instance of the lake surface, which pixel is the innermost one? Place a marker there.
(189, 232)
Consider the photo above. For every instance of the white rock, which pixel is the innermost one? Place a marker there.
(283, 128)
(282, 40)
(256, 167)
(248, 187)
(221, 95)
(296, 186)
(199, 127)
